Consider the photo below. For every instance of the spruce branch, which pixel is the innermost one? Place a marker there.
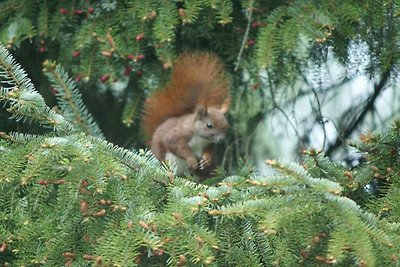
(349, 237)
(292, 200)
(191, 11)
(141, 161)
(130, 111)
(165, 23)
(297, 172)
(43, 19)
(18, 92)
(70, 100)
(19, 138)
(225, 9)
(17, 31)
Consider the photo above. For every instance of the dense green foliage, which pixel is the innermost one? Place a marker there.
(71, 195)
(71, 198)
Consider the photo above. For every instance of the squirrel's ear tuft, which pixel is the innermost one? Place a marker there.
(225, 106)
(201, 112)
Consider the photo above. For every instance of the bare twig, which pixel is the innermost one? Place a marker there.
(320, 118)
(357, 119)
(249, 13)
(275, 105)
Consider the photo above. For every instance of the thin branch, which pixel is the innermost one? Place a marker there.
(249, 13)
(357, 119)
(320, 118)
(275, 105)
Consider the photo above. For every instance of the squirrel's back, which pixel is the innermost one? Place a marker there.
(197, 79)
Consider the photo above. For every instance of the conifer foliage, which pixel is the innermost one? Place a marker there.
(68, 197)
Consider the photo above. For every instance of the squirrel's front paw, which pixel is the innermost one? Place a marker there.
(192, 162)
(205, 161)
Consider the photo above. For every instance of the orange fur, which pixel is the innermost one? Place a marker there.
(197, 79)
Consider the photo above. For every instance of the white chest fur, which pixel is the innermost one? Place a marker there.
(197, 145)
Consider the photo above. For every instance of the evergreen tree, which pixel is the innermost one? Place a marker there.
(68, 197)
(71, 194)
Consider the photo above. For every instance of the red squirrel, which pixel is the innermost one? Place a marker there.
(188, 115)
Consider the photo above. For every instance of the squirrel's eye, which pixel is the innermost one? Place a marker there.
(209, 125)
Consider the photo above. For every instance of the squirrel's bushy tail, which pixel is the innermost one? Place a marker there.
(197, 79)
